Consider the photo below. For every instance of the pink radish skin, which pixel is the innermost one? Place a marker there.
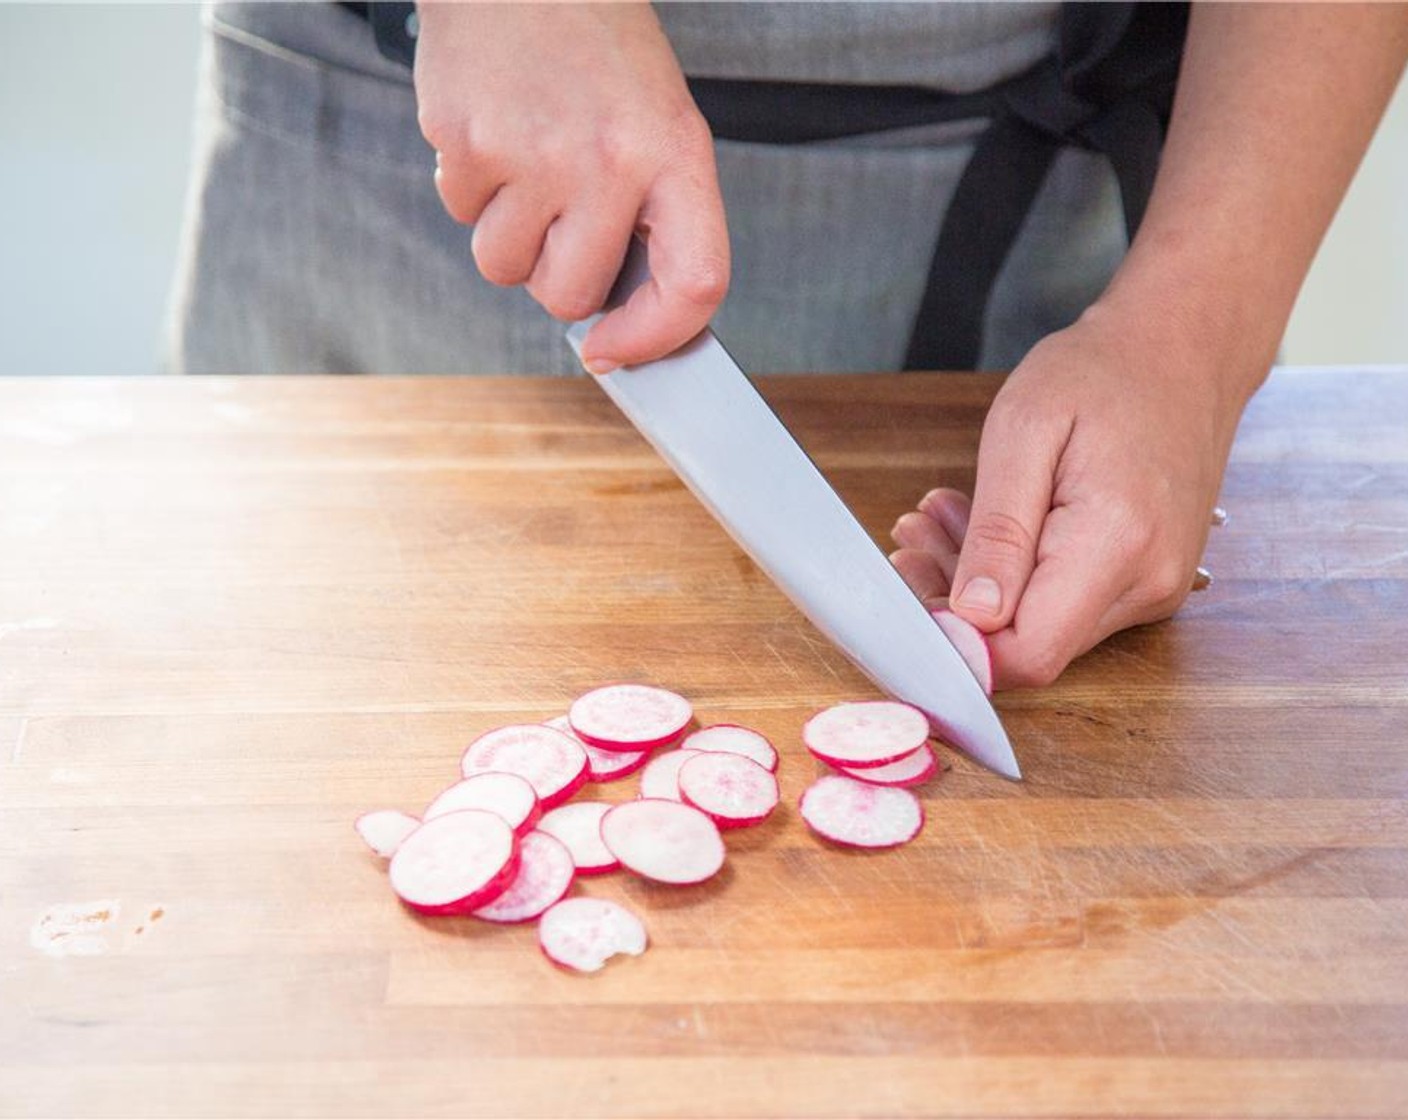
(629, 717)
(545, 874)
(666, 841)
(582, 934)
(661, 779)
(971, 643)
(865, 733)
(733, 790)
(578, 826)
(455, 863)
(508, 795)
(860, 815)
(554, 764)
(384, 829)
(732, 738)
(912, 770)
(602, 766)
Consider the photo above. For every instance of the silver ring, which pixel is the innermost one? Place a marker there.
(1202, 578)
(1219, 517)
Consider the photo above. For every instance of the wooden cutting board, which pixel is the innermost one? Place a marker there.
(235, 613)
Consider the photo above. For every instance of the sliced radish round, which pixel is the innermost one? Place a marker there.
(545, 873)
(663, 840)
(971, 643)
(554, 764)
(384, 829)
(602, 766)
(455, 863)
(735, 791)
(661, 778)
(730, 738)
(861, 815)
(629, 717)
(912, 770)
(508, 795)
(865, 733)
(584, 933)
(578, 826)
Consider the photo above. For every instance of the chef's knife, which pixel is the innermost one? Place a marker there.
(703, 416)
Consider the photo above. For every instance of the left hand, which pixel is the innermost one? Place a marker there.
(1099, 466)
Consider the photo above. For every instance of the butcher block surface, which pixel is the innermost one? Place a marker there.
(234, 613)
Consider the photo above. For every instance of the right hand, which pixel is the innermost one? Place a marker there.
(560, 130)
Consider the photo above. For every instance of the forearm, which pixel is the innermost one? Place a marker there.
(1275, 107)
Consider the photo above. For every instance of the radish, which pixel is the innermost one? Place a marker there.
(865, 733)
(629, 717)
(971, 643)
(554, 764)
(602, 766)
(734, 790)
(860, 815)
(578, 826)
(508, 795)
(730, 738)
(384, 829)
(912, 770)
(455, 863)
(584, 933)
(545, 873)
(661, 778)
(663, 840)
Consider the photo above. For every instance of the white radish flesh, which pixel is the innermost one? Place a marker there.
(861, 815)
(578, 826)
(602, 766)
(730, 738)
(661, 777)
(865, 733)
(629, 717)
(554, 764)
(664, 840)
(584, 933)
(734, 791)
(545, 872)
(455, 863)
(912, 770)
(971, 643)
(384, 829)
(508, 795)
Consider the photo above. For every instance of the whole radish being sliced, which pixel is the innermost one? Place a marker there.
(629, 717)
(602, 766)
(971, 643)
(384, 829)
(865, 733)
(912, 770)
(455, 863)
(545, 873)
(661, 777)
(663, 840)
(508, 795)
(578, 825)
(730, 738)
(584, 933)
(861, 815)
(554, 764)
(735, 791)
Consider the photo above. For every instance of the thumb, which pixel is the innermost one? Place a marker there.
(1012, 496)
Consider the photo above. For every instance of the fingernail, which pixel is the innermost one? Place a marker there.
(981, 594)
(600, 365)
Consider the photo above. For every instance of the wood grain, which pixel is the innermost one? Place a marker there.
(236, 612)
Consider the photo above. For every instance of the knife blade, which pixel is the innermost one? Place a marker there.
(703, 416)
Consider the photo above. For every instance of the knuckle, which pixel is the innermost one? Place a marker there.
(1167, 584)
(1000, 536)
(496, 266)
(705, 282)
(1040, 668)
(569, 307)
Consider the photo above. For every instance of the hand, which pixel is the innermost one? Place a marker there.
(560, 129)
(1099, 466)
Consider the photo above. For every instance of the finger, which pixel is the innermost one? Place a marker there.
(951, 509)
(581, 258)
(923, 574)
(1017, 462)
(508, 237)
(463, 192)
(687, 245)
(921, 532)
